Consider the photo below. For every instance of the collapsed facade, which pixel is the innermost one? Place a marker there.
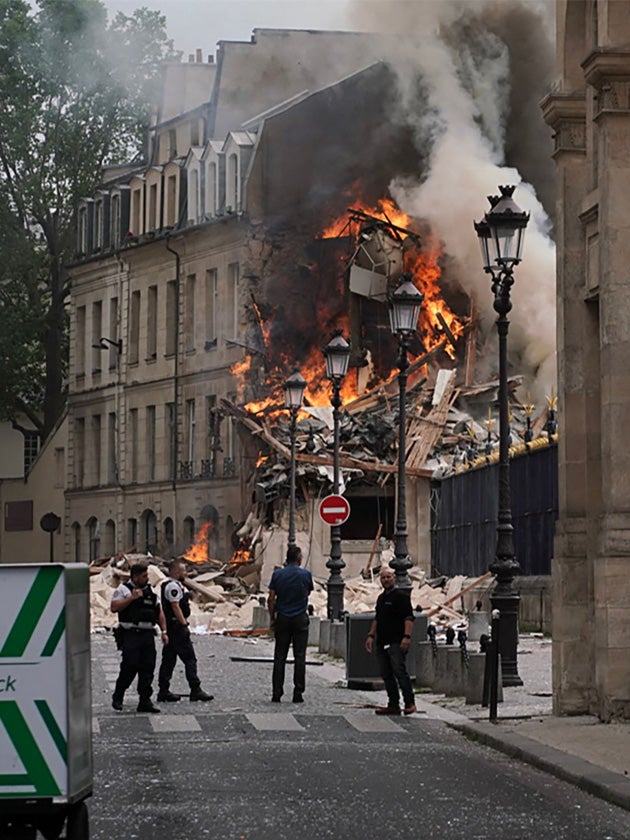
(205, 274)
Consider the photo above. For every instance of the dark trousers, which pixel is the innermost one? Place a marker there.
(179, 644)
(138, 658)
(393, 667)
(290, 632)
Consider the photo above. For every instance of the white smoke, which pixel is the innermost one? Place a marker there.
(455, 92)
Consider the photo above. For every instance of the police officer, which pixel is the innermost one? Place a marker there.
(139, 611)
(176, 605)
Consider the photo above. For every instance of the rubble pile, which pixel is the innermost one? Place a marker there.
(221, 603)
(445, 432)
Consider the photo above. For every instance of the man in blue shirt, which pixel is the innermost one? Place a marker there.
(288, 608)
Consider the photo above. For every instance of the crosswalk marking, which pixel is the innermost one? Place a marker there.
(174, 723)
(275, 722)
(372, 723)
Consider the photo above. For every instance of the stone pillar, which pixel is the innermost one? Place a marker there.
(573, 629)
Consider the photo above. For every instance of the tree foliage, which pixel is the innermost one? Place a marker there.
(75, 94)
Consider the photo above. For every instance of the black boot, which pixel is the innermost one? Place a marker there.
(148, 706)
(168, 697)
(199, 694)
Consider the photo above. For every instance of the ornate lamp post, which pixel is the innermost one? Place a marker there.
(501, 234)
(293, 395)
(404, 309)
(337, 355)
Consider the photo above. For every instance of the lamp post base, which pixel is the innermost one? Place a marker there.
(335, 607)
(508, 605)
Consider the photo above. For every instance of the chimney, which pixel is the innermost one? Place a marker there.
(191, 58)
(210, 58)
(199, 56)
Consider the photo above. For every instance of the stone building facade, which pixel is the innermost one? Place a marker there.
(589, 113)
(173, 257)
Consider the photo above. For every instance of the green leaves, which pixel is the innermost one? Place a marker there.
(75, 92)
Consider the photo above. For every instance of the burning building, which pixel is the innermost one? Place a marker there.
(263, 218)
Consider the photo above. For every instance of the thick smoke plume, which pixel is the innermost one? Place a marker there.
(470, 75)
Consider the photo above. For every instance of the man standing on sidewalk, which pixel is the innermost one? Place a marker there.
(139, 612)
(391, 628)
(288, 610)
(176, 606)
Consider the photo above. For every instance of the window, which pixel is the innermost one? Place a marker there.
(94, 533)
(229, 434)
(79, 451)
(169, 536)
(211, 308)
(98, 225)
(171, 195)
(76, 540)
(113, 332)
(152, 323)
(189, 530)
(136, 206)
(31, 448)
(213, 420)
(150, 442)
(232, 184)
(211, 186)
(115, 221)
(189, 314)
(96, 449)
(83, 232)
(97, 332)
(109, 546)
(133, 444)
(171, 317)
(193, 197)
(132, 534)
(232, 314)
(172, 143)
(190, 430)
(80, 342)
(152, 218)
(194, 133)
(171, 447)
(112, 465)
(134, 328)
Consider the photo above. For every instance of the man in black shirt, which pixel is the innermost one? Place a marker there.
(392, 630)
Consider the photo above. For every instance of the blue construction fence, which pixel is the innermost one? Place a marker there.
(464, 515)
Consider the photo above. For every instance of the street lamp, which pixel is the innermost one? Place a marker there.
(404, 309)
(293, 396)
(337, 355)
(501, 233)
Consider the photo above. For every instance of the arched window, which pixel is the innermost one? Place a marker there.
(210, 516)
(148, 539)
(94, 539)
(76, 542)
(132, 534)
(193, 197)
(109, 538)
(169, 535)
(189, 530)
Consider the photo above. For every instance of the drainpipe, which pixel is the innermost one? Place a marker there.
(174, 440)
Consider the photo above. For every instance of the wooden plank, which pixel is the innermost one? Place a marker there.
(459, 594)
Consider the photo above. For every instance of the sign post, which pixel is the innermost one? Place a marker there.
(334, 510)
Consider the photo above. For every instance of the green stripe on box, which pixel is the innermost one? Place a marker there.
(56, 634)
(37, 771)
(31, 612)
(53, 727)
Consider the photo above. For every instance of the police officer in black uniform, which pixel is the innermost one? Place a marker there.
(176, 605)
(139, 612)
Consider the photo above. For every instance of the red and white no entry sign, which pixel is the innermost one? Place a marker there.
(334, 510)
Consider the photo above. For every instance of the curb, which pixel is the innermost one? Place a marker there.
(604, 784)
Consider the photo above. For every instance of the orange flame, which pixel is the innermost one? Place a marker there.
(241, 555)
(199, 551)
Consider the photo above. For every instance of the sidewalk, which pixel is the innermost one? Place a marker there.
(594, 756)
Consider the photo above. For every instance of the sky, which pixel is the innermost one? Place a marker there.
(200, 24)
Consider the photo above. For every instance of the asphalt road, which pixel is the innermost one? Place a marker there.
(241, 768)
